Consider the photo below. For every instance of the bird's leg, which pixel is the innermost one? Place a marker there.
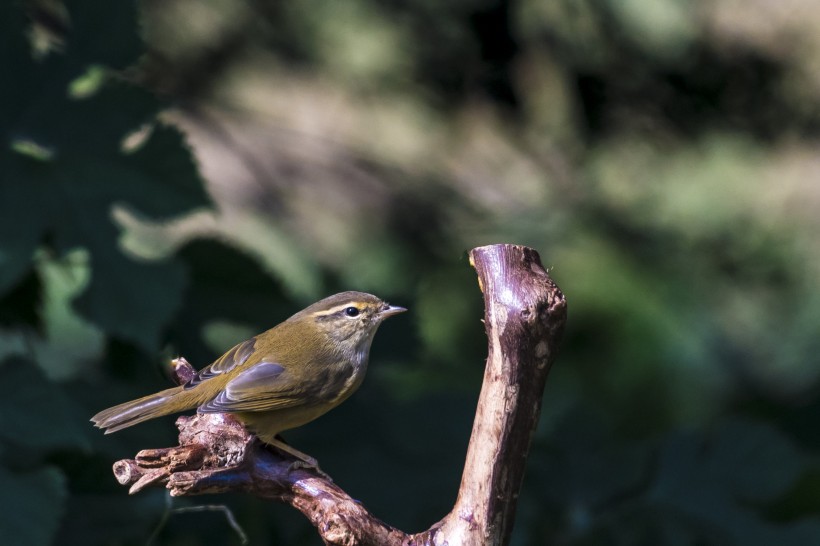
(304, 460)
(307, 460)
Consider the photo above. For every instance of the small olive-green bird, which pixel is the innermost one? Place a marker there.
(280, 379)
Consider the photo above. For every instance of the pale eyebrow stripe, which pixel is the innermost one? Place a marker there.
(356, 304)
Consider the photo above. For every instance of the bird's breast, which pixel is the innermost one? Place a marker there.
(334, 383)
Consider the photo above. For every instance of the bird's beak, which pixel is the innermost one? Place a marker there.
(390, 310)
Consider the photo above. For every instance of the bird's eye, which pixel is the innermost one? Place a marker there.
(352, 311)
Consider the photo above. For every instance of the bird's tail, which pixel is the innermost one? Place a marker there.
(142, 409)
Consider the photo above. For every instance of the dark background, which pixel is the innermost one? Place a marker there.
(178, 175)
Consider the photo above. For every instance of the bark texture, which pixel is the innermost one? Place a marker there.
(524, 317)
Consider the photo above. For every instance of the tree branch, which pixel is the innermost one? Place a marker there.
(525, 313)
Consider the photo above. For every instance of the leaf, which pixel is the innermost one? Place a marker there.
(164, 166)
(106, 31)
(16, 61)
(755, 461)
(88, 131)
(225, 285)
(20, 306)
(100, 519)
(31, 506)
(65, 195)
(67, 342)
(35, 411)
(586, 467)
(704, 485)
(130, 299)
(21, 226)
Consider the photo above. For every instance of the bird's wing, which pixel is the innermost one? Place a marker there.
(261, 387)
(237, 356)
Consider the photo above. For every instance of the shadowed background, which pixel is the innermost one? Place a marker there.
(177, 176)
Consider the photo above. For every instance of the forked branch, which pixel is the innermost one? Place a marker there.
(524, 317)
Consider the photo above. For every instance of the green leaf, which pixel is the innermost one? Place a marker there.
(70, 202)
(36, 412)
(755, 460)
(22, 225)
(66, 196)
(92, 128)
(20, 306)
(107, 32)
(15, 61)
(131, 299)
(585, 466)
(68, 342)
(705, 485)
(225, 285)
(163, 167)
(100, 519)
(31, 506)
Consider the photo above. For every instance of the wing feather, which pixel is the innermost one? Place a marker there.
(236, 356)
(263, 386)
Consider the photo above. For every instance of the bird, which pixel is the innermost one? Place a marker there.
(280, 379)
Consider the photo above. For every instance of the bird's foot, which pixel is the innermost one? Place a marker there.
(313, 465)
(303, 460)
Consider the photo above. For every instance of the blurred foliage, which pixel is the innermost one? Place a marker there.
(178, 175)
